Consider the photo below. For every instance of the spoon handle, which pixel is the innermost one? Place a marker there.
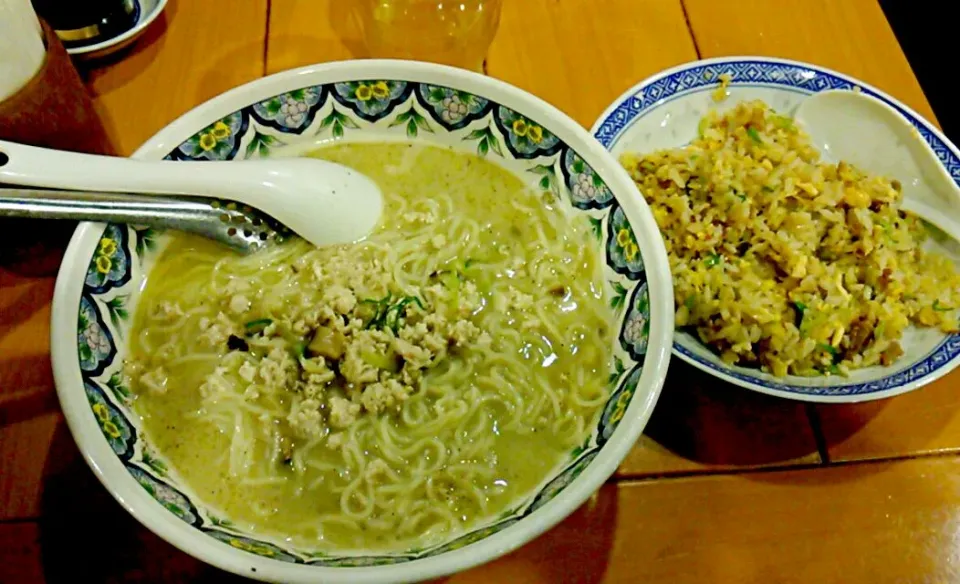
(322, 201)
(241, 231)
(41, 167)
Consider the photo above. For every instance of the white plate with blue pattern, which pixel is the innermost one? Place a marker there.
(663, 112)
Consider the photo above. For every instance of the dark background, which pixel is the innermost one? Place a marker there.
(929, 35)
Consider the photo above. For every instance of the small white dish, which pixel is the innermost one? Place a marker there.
(664, 110)
(147, 12)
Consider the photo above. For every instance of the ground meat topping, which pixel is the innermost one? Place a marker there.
(358, 347)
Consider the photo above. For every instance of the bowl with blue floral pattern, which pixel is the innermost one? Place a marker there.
(665, 112)
(99, 283)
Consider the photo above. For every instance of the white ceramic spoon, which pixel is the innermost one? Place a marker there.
(323, 202)
(858, 128)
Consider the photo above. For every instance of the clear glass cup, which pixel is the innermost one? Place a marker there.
(457, 33)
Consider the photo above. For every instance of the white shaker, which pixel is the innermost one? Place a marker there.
(21, 45)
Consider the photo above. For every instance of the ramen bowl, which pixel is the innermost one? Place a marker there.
(99, 286)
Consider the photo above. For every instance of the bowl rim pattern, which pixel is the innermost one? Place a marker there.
(806, 79)
(597, 465)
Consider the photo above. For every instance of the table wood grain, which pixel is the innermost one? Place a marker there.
(580, 57)
(893, 522)
(926, 421)
(303, 32)
(733, 486)
(702, 425)
(883, 522)
(196, 51)
(851, 36)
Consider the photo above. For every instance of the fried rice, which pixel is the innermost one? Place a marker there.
(787, 263)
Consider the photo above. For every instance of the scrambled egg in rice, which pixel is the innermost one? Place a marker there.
(785, 262)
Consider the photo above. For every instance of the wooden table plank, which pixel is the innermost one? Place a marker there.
(580, 57)
(926, 421)
(20, 553)
(304, 32)
(27, 395)
(852, 37)
(24, 333)
(886, 522)
(702, 424)
(24, 452)
(195, 51)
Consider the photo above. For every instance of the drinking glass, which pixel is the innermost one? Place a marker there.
(457, 33)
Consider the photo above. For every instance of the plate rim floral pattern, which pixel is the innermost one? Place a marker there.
(749, 71)
(520, 528)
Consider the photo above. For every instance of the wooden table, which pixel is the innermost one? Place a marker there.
(725, 486)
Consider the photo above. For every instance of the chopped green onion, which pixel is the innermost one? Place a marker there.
(935, 232)
(390, 314)
(754, 135)
(941, 308)
(300, 349)
(801, 313)
(257, 326)
(690, 302)
(739, 195)
(394, 317)
(713, 260)
(377, 302)
(380, 308)
(828, 348)
(783, 122)
(702, 126)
